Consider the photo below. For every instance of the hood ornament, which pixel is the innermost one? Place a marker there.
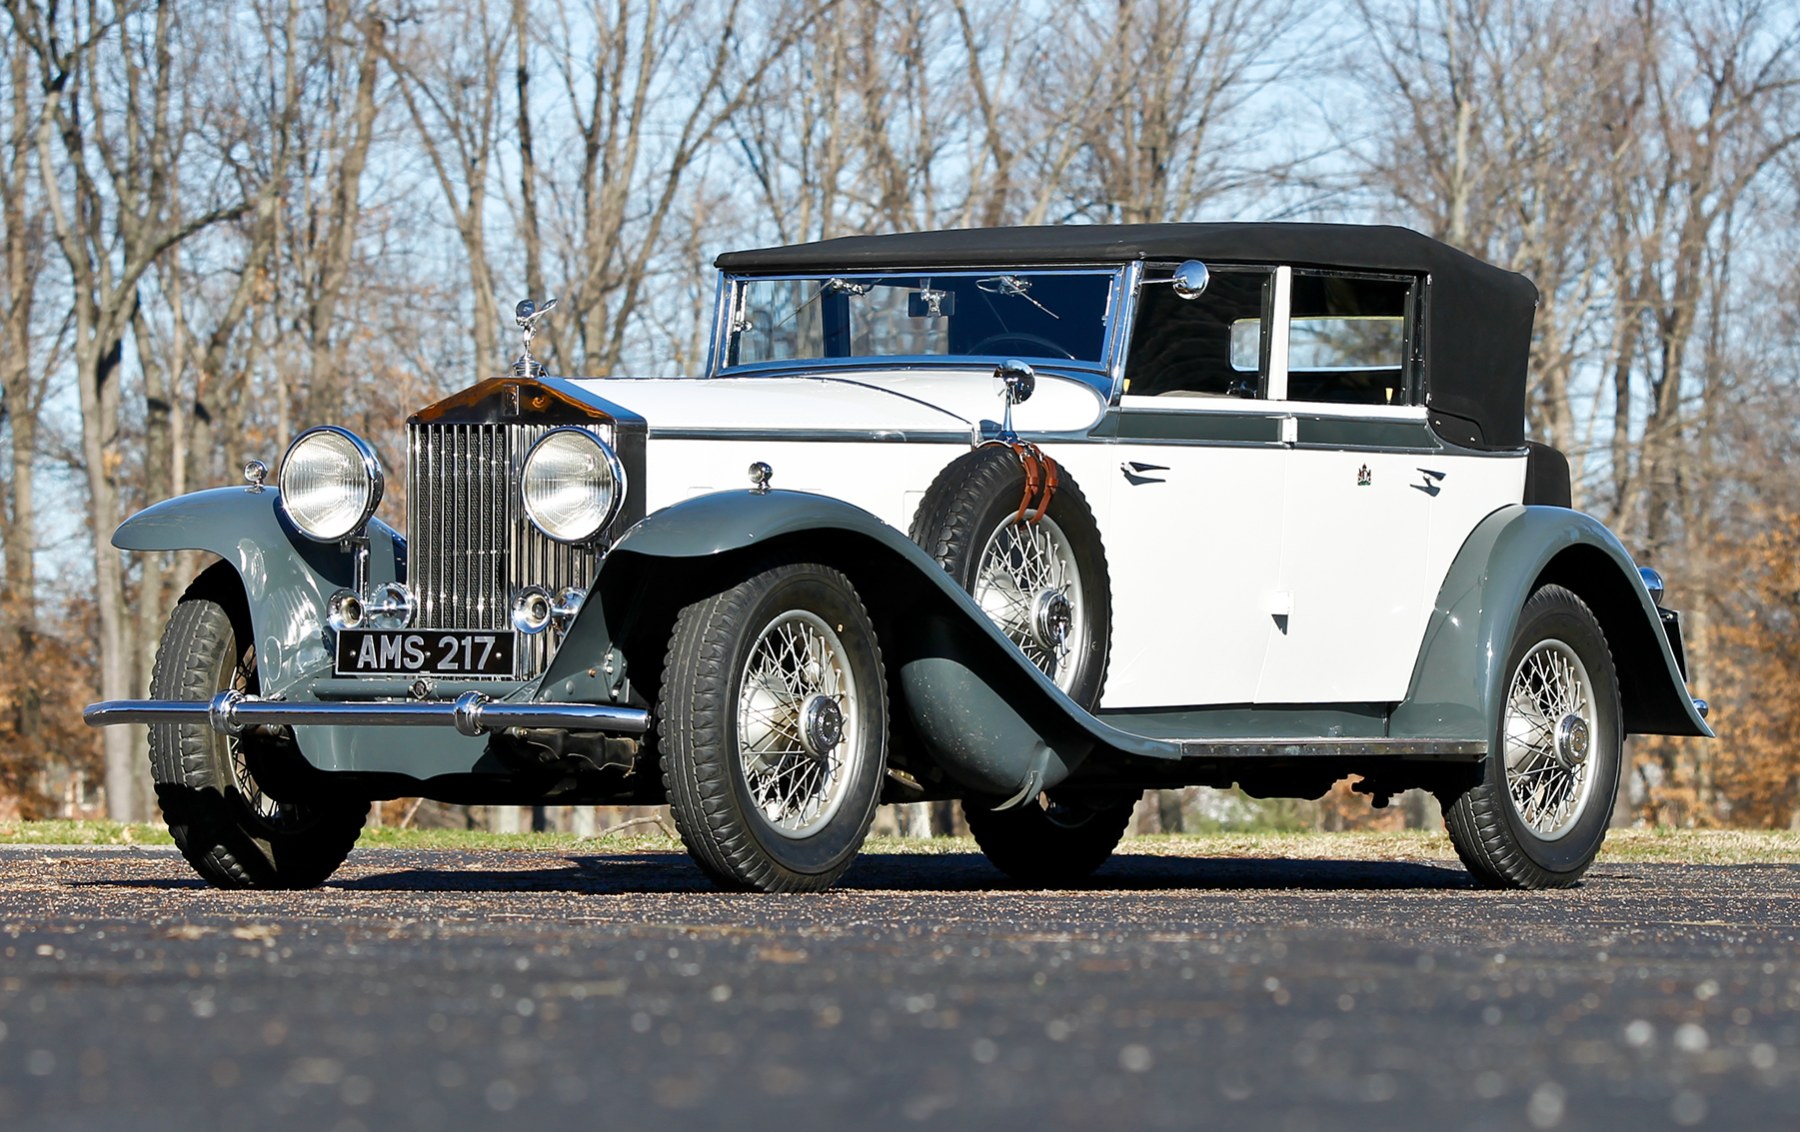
(525, 317)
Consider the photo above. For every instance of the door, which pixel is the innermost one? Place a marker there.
(1193, 538)
(1363, 475)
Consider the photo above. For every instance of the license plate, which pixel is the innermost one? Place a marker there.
(439, 652)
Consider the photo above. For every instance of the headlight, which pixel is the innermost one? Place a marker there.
(572, 484)
(330, 483)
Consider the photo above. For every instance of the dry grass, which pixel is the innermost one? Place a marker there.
(1705, 847)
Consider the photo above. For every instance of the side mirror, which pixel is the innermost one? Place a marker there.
(1020, 381)
(1190, 279)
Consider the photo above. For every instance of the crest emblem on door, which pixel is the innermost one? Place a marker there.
(1363, 476)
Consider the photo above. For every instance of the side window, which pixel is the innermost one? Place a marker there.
(1350, 338)
(1213, 346)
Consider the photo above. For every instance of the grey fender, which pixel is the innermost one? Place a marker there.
(287, 577)
(991, 720)
(1459, 679)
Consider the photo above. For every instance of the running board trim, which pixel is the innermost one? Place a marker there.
(1294, 748)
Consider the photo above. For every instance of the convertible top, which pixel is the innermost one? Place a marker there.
(1477, 323)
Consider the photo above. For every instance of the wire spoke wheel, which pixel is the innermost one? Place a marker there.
(1028, 581)
(799, 724)
(265, 810)
(772, 727)
(1550, 724)
(213, 789)
(1537, 814)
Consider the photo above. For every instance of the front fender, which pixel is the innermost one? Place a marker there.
(287, 577)
(1459, 680)
(993, 721)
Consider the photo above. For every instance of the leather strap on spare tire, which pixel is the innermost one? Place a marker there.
(1015, 531)
(1041, 477)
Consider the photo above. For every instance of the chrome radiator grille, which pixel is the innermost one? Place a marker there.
(470, 547)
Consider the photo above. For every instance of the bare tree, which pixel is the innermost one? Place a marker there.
(109, 151)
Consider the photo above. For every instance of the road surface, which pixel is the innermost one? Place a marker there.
(442, 989)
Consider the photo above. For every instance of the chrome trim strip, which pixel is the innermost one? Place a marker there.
(472, 713)
(1331, 748)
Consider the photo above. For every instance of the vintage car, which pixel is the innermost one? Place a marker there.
(1033, 518)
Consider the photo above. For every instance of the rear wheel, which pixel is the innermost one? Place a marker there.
(773, 729)
(1046, 841)
(227, 826)
(1540, 812)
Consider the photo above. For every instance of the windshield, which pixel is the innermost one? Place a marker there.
(1047, 315)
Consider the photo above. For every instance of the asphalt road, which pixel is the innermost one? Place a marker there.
(444, 989)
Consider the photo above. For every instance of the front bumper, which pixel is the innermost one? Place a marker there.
(472, 714)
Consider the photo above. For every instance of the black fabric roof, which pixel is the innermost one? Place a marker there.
(1477, 321)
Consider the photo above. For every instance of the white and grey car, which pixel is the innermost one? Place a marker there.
(1033, 518)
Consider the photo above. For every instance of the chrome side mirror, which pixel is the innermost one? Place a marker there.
(1020, 381)
(1190, 279)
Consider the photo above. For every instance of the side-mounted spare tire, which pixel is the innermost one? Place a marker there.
(1042, 578)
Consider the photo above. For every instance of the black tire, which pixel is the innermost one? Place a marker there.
(1492, 835)
(226, 827)
(1048, 843)
(708, 701)
(966, 505)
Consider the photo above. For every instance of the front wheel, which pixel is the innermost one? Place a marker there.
(1537, 817)
(772, 723)
(234, 833)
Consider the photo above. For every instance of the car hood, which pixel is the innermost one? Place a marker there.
(872, 402)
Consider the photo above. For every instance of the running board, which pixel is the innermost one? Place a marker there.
(232, 713)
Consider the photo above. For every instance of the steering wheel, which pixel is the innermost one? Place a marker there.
(1025, 339)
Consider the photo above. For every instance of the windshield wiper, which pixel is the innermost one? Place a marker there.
(1013, 285)
(836, 285)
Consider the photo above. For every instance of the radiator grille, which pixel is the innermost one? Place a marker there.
(470, 547)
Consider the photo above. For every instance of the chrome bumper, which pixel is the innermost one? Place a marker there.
(232, 713)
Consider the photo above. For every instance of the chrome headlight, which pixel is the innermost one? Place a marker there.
(330, 483)
(572, 484)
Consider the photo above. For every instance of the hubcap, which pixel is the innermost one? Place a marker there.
(1052, 618)
(824, 726)
(1572, 740)
(1027, 581)
(1549, 737)
(799, 730)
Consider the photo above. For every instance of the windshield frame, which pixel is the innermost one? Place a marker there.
(1100, 372)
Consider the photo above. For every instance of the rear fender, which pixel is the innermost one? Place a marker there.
(287, 577)
(990, 719)
(1459, 680)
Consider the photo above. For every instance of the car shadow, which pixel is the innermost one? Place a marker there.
(925, 873)
(642, 873)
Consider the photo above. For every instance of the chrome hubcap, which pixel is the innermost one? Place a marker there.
(1549, 737)
(799, 729)
(1027, 581)
(1052, 617)
(1572, 740)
